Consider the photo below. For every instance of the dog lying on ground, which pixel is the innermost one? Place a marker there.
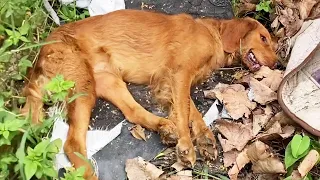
(170, 53)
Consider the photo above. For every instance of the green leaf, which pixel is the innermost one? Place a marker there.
(75, 96)
(24, 39)
(9, 12)
(2, 29)
(14, 125)
(30, 169)
(7, 43)
(30, 152)
(308, 177)
(54, 146)
(66, 85)
(4, 141)
(299, 145)
(289, 160)
(59, 96)
(24, 29)
(49, 171)
(17, 77)
(8, 158)
(24, 62)
(39, 173)
(9, 32)
(1, 101)
(20, 154)
(80, 171)
(40, 148)
(6, 134)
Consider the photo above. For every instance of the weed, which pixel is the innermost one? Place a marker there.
(296, 150)
(264, 6)
(26, 151)
(69, 13)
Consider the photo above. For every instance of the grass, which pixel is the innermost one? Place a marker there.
(25, 149)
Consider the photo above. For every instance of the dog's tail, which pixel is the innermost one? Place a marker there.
(33, 91)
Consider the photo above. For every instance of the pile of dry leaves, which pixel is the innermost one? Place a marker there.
(257, 120)
(255, 123)
(286, 19)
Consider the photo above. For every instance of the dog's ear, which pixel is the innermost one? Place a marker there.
(232, 31)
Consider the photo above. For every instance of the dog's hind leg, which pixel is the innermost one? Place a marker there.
(205, 140)
(114, 89)
(79, 112)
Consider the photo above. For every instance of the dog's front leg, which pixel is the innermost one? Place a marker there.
(205, 140)
(180, 113)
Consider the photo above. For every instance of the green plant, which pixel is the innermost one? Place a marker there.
(58, 89)
(25, 149)
(34, 155)
(69, 13)
(39, 160)
(264, 5)
(296, 150)
(74, 174)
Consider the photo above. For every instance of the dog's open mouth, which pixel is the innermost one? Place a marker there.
(252, 61)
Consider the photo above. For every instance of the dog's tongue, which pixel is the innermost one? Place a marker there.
(255, 67)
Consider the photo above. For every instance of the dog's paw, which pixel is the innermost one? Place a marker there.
(186, 152)
(206, 144)
(168, 132)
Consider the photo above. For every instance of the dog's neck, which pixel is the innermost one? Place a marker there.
(214, 25)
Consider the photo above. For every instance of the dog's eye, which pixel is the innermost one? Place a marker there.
(263, 38)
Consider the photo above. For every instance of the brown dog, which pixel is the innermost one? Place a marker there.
(168, 52)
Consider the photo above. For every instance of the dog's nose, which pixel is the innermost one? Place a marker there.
(278, 65)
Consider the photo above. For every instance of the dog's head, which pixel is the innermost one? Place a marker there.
(250, 40)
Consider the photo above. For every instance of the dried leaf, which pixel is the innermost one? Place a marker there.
(293, 28)
(230, 157)
(237, 135)
(258, 151)
(280, 32)
(315, 11)
(308, 162)
(275, 128)
(239, 75)
(270, 165)
(178, 166)
(263, 160)
(282, 118)
(275, 24)
(286, 132)
(305, 7)
(241, 160)
(235, 99)
(138, 132)
(246, 7)
(287, 3)
(138, 169)
(295, 175)
(267, 176)
(260, 92)
(290, 19)
(185, 173)
(270, 78)
(175, 177)
(260, 120)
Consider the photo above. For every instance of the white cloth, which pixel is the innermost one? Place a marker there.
(96, 140)
(98, 7)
